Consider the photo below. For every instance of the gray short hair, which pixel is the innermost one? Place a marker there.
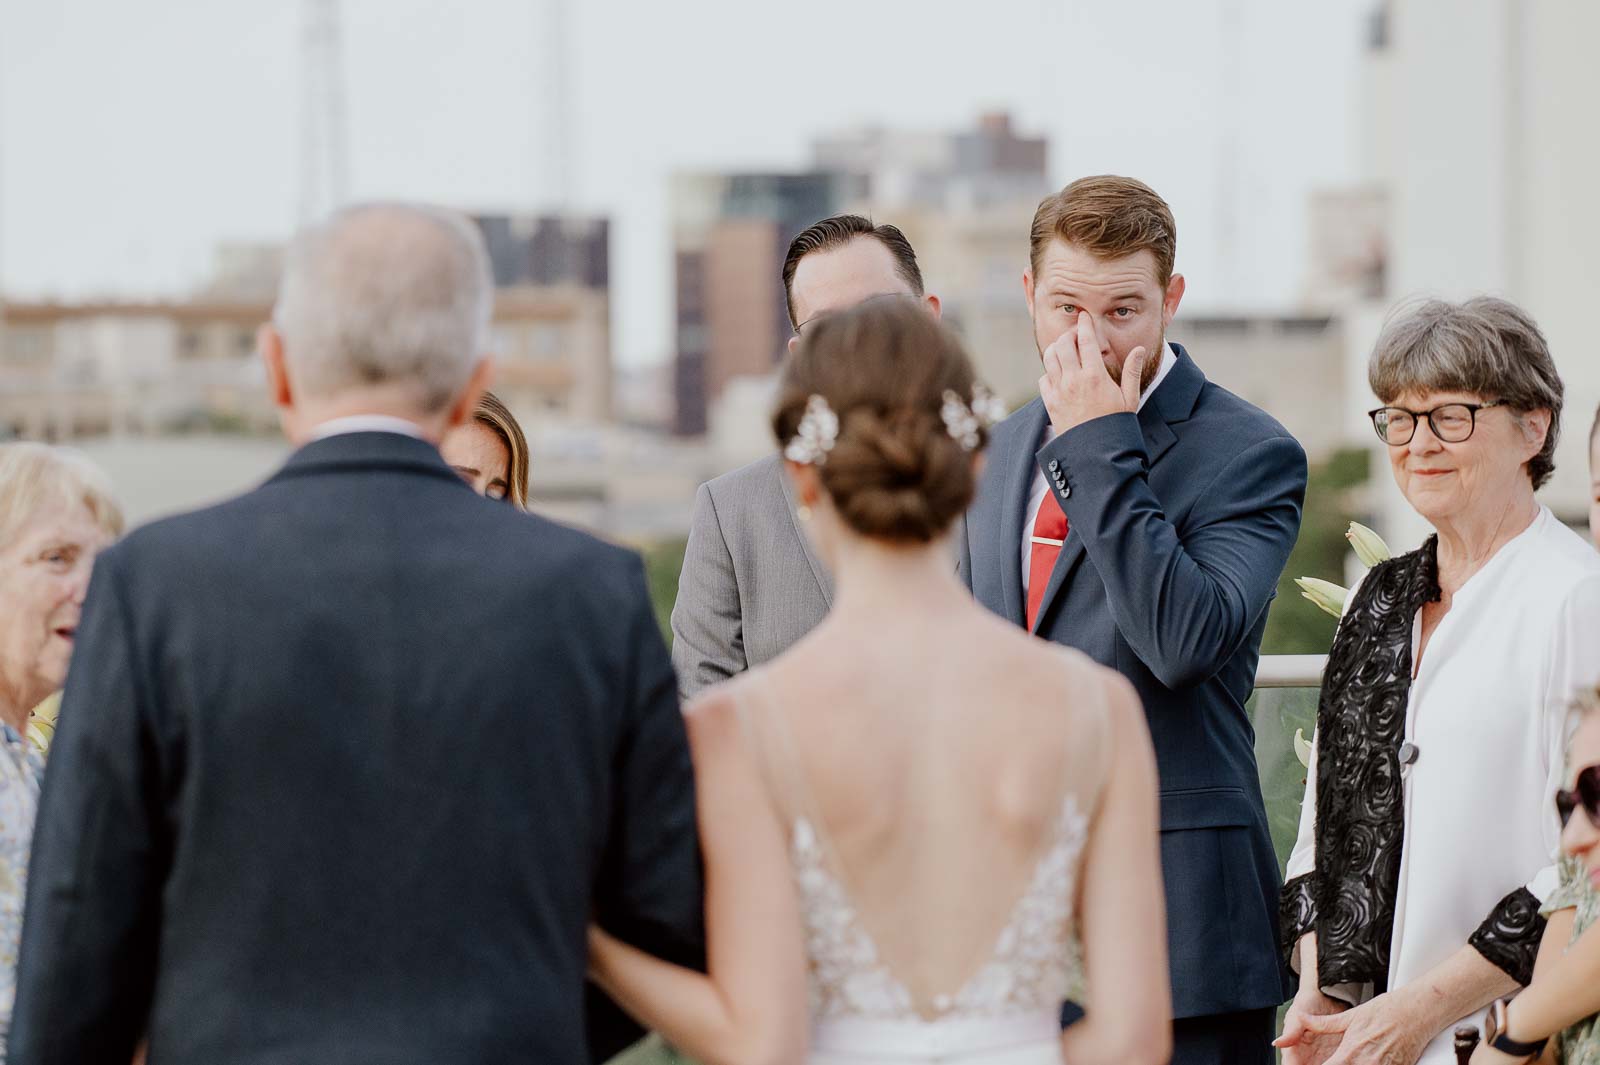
(1486, 346)
(386, 294)
(32, 476)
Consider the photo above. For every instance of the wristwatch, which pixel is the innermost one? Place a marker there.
(1494, 1034)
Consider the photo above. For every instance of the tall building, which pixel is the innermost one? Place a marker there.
(1474, 120)
(965, 200)
(547, 249)
(730, 233)
(986, 165)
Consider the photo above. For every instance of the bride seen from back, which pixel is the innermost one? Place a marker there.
(923, 829)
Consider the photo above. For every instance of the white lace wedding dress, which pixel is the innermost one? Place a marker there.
(1001, 1009)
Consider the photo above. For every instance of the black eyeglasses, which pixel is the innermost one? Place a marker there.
(1585, 792)
(1450, 422)
(800, 329)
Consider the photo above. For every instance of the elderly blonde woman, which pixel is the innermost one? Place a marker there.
(1427, 836)
(56, 513)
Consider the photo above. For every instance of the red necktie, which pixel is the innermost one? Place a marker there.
(1049, 529)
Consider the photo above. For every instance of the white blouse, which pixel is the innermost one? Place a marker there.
(1488, 712)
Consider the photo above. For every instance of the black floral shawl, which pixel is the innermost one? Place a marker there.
(1349, 899)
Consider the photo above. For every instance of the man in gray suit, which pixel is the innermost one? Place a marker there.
(751, 585)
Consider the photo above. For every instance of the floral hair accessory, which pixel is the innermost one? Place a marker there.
(989, 408)
(817, 433)
(959, 420)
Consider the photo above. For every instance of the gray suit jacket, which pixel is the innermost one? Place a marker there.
(751, 585)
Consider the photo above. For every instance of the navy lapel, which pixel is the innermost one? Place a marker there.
(1172, 402)
(824, 582)
(1018, 467)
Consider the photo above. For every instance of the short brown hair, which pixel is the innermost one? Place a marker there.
(1109, 217)
(895, 472)
(838, 231)
(1487, 346)
(495, 416)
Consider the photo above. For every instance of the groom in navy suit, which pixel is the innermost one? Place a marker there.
(1143, 515)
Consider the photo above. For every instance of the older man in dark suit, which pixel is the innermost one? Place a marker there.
(1141, 514)
(347, 765)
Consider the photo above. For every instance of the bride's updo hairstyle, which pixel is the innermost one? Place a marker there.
(894, 472)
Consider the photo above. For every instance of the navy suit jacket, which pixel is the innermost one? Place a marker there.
(344, 768)
(1181, 520)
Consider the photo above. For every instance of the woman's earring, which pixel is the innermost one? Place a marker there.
(803, 512)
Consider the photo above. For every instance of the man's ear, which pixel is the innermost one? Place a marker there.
(807, 484)
(935, 308)
(1171, 299)
(1027, 290)
(466, 403)
(794, 343)
(269, 343)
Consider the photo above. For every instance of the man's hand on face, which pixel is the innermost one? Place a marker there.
(1077, 387)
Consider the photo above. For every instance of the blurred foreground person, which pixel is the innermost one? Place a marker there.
(348, 763)
(1557, 1018)
(968, 815)
(56, 514)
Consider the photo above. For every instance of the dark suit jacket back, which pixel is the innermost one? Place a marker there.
(1181, 519)
(344, 767)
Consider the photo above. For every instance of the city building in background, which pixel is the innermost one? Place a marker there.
(730, 233)
(966, 201)
(71, 370)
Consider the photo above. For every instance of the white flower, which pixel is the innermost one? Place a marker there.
(1328, 596)
(1368, 545)
(815, 436)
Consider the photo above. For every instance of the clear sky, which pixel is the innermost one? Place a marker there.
(134, 136)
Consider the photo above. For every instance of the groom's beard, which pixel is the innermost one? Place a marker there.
(1152, 363)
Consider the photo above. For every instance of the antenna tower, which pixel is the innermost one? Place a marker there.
(323, 153)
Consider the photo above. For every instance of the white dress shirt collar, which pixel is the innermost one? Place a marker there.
(367, 423)
(1169, 359)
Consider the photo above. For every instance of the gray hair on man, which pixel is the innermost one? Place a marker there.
(1487, 346)
(386, 295)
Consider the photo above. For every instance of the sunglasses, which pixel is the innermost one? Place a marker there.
(1585, 792)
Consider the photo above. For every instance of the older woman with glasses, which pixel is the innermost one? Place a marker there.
(56, 513)
(1427, 831)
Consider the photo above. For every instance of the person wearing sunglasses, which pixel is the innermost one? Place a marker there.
(1557, 1019)
(1413, 893)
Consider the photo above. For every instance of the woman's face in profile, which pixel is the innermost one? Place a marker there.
(477, 453)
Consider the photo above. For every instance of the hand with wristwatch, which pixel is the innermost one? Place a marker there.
(1498, 1046)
